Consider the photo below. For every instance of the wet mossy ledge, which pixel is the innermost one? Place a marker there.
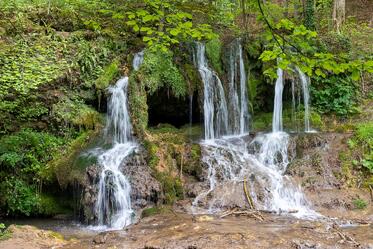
(172, 158)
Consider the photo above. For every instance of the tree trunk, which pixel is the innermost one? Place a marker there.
(339, 14)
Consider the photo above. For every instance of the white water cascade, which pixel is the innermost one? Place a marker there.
(113, 205)
(138, 60)
(214, 104)
(261, 162)
(306, 98)
(238, 99)
(277, 108)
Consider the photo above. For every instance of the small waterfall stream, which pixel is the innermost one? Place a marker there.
(113, 206)
(214, 103)
(277, 105)
(238, 99)
(138, 60)
(306, 99)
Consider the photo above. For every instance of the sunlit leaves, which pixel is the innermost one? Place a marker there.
(161, 25)
(297, 46)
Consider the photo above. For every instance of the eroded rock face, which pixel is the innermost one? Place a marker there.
(145, 189)
(318, 169)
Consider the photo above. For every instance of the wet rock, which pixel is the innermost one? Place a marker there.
(100, 239)
(145, 189)
(204, 218)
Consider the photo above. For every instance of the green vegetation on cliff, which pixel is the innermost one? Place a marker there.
(58, 57)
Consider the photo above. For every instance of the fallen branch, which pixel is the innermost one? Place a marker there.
(227, 213)
(255, 214)
(248, 197)
(345, 237)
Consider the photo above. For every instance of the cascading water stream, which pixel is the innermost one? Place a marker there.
(238, 99)
(214, 104)
(138, 60)
(113, 205)
(306, 99)
(277, 109)
(261, 161)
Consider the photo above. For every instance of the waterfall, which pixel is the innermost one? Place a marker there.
(277, 109)
(261, 161)
(113, 205)
(214, 103)
(138, 60)
(238, 99)
(306, 98)
(244, 112)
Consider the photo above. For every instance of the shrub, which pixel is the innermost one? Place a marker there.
(23, 159)
(335, 94)
(360, 203)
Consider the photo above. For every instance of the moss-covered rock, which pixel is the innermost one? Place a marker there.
(170, 155)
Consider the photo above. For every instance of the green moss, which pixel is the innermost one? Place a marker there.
(252, 86)
(76, 113)
(213, 52)
(193, 165)
(364, 132)
(138, 104)
(65, 164)
(158, 70)
(171, 186)
(155, 210)
(50, 205)
(110, 72)
(164, 128)
(192, 76)
(55, 235)
(152, 150)
(346, 168)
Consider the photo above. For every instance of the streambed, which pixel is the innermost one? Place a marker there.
(181, 230)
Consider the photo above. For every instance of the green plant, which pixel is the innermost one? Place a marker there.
(360, 203)
(4, 232)
(18, 198)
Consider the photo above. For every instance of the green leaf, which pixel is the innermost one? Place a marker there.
(355, 75)
(175, 32)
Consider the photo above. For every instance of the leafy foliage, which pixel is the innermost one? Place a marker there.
(294, 45)
(334, 94)
(162, 24)
(23, 157)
